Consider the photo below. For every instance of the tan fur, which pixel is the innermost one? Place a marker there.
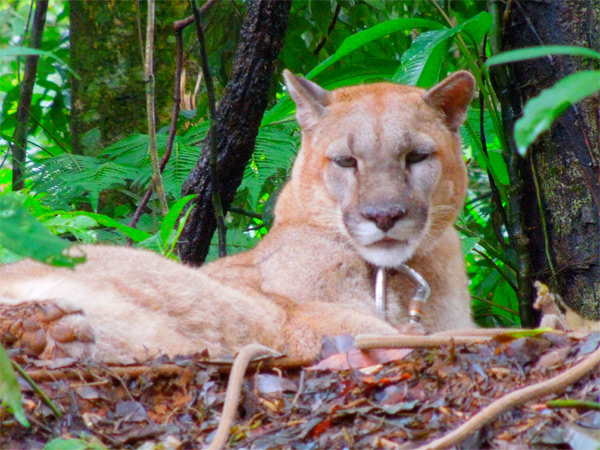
(308, 277)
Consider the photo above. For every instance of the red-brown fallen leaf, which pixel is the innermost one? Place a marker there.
(368, 380)
(320, 428)
(357, 359)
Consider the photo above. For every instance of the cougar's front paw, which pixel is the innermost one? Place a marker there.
(411, 328)
(48, 329)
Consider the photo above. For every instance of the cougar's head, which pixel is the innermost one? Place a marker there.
(381, 163)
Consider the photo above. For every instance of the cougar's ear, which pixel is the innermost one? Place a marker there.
(310, 98)
(452, 95)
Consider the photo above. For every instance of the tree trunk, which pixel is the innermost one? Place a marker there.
(19, 144)
(108, 102)
(238, 119)
(565, 161)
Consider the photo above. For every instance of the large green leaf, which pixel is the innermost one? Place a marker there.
(10, 394)
(536, 52)
(541, 111)
(133, 233)
(421, 63)
(22, 234)
(362, 38)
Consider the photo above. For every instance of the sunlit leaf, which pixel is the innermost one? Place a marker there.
(362, 38)
(541, 111)
(421, 63)
(22, 234)
(537, 52)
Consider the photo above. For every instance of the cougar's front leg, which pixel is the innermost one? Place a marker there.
(308, 323)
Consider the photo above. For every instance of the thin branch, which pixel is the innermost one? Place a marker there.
(498, 269)
(22, 43)
(338, 8)
(243, 212)
(181, 24)
(18, 148)
(214, 169)
(178, 27)
(151, 108)
(172, 127)
(37, 389)
(545, 233)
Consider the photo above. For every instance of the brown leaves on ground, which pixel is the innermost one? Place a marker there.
(407, 397)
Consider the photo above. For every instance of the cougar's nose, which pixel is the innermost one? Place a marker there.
(384, 218)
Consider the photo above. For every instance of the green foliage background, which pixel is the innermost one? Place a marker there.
(83, 198)
(89, 199)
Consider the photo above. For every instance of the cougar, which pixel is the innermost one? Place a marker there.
(378, 181)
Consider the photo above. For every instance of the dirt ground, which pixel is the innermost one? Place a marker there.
(399, 399)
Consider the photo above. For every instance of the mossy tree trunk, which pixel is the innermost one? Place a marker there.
(565, 161)
(108, 102)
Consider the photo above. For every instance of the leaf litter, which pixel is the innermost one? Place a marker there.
(389, 399)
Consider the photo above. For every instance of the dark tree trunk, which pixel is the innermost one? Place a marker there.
(19, 144)
(238, 119)
(564, 161)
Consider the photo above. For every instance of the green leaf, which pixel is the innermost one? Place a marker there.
(9, 388)
(133, 233)
(421, 63)
(169, 221)
(526, 333)
(541, 111)
(12, 52)
(22, 234)
(178, 232)
(72, 444)
(522, 54)
(362, 38)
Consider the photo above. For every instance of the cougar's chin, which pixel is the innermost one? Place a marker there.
(386, 249)
(387, 253)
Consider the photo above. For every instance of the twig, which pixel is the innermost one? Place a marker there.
(151, 108)
(243, 212)
(491, 303)
(212, 135)
(573, 403)
(498, 269)
(18, 147)
(538, 196)
(181, 24)
(516, 398)
(493, 187)
(172, 128)
(22, 43)
(338, 8)
(37, 389)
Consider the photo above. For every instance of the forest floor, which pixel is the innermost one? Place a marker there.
(400, 399)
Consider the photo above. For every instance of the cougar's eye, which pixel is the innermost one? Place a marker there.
(416, 157)
(345, 161)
